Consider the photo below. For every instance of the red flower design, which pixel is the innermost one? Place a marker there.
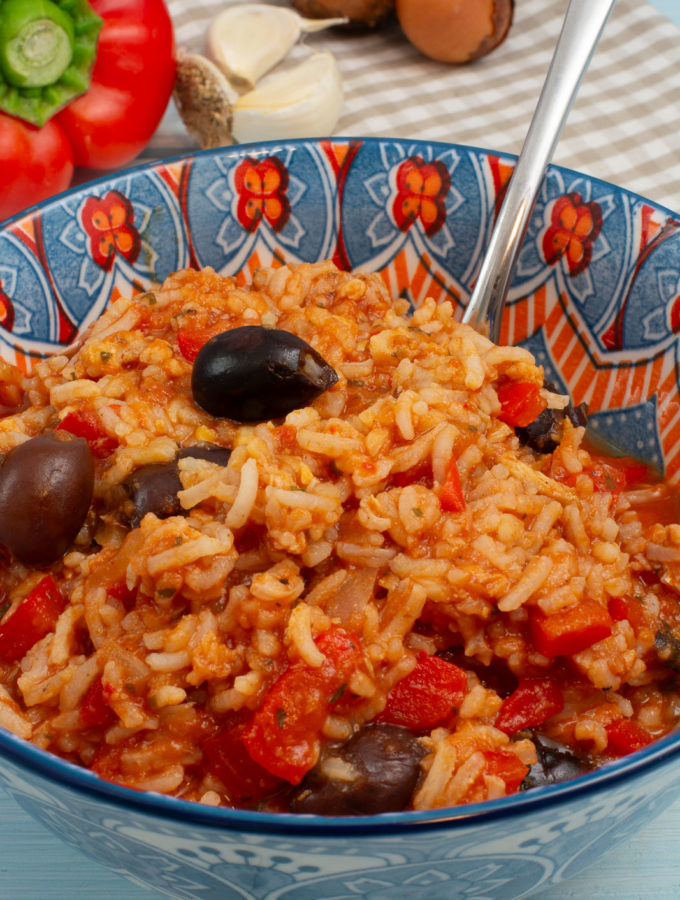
(109, 223)
(421, 190)
(6, 310)
(673, 313)
(574, 226)
(261, 187)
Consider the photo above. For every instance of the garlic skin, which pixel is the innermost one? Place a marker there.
(248, 39)
(305, 101)
(204, 99)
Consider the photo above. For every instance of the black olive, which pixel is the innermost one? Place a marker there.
(544, 434)
(555, 763)
(386, 762)
(154, 488)
(252, 373)
(46, 487)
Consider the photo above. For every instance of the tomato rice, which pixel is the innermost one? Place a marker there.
(394, 555)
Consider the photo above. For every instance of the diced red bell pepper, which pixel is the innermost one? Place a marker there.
(120, 591)
(613, 474)
(521, 402)
(507, 766)
(426, 696)
(625, 736)
(245, 780)
(35, 617)
(94, 709)
(571, 630)
(621, 608)
(85, 423)
(451, 497)
(530, 704)
(284, 736)
(190, 341)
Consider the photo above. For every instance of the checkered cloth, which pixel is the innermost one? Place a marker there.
(624, 126)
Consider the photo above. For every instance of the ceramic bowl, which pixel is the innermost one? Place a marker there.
(596, 298)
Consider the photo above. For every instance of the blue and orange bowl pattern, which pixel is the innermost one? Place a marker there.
(596, 298)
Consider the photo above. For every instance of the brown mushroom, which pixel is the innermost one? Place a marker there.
(455, 31)
(359, 12)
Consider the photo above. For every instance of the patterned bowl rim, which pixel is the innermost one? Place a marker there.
(238, 150)
(30, 758)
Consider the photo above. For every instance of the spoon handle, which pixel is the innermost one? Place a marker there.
(581, 30)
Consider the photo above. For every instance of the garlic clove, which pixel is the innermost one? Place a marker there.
(248, 39)
(204, 100)
(304, 101)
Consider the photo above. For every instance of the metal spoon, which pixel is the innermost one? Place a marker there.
(581, 31)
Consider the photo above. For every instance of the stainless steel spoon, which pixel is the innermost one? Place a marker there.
(582, 28)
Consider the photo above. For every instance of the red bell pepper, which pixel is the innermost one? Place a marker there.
(284, 736)
(521, 402)
(94, 708)
(625, 736)
(571, 630)
(530, 704)
(85, 423)
(191, 340)
(427, 696)
(245, 780)
(451, 497)
(36, 163)
(613, 474)
(93, 100)
(35, 617)
(507, 766)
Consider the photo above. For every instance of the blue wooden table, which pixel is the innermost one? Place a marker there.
(35, 865)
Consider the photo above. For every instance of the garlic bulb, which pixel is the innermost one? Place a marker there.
(305, 101)
(248, 39)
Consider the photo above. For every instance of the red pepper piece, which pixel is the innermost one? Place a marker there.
(284, 736)
(85, 423)
(191, 340)
(245, 780)
(521, 403)
(451, 495)
(613, 474)
(507, 766)
(35, 617)
(621, 608)
(426, 696)
(120, 591)
(530, 704)
(625, 736)
(94, 709)
(571, 630)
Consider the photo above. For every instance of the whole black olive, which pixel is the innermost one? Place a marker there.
(46, 487)
(555, 763)
(252, 373)
(385, 761)
(154, 488)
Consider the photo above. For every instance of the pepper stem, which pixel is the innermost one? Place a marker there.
(36, 42)
(47, 50)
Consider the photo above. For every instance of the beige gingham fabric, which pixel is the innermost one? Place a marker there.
(624, 126)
